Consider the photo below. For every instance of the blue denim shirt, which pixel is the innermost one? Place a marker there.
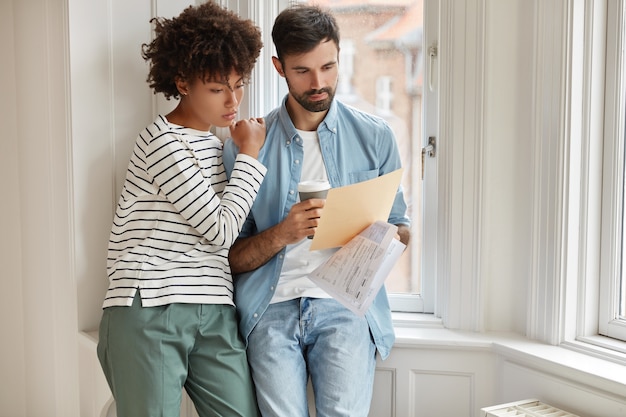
(355, 147)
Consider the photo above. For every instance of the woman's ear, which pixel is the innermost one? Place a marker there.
(182, 86)
(278, 65)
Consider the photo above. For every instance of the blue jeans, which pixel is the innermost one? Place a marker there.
(316, 338)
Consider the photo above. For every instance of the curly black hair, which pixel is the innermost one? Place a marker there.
(205, 41)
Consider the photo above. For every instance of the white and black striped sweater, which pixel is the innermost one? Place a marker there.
(176, 219)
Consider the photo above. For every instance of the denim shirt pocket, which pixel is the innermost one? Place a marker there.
(359, 176)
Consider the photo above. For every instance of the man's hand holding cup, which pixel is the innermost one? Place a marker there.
(313, 189)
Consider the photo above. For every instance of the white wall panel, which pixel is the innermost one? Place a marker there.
(507, 162)
(441, 394)
(436, 381)
(459, 163)
(384, 396)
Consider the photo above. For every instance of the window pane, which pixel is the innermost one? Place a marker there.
(621, 296)
(622, 280)
(381, 72)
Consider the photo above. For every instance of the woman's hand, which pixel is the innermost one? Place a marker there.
(249, 135)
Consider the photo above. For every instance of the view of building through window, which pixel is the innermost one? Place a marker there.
(381, 72)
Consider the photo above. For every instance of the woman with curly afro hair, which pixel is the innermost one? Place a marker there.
(169, 320)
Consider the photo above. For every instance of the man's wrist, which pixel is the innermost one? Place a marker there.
(274, 239)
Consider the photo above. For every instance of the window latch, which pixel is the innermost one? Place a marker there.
(429, 150)
(432, 56)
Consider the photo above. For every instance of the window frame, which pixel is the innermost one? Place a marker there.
(594, 183)
(572, 270)
(609, 322)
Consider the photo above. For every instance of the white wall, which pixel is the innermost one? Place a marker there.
(12, 360)
(111, 102)
(39, 342)
(74, 97)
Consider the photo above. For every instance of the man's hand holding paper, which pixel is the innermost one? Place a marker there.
(354, 274)
(355, 218)
(352, 208)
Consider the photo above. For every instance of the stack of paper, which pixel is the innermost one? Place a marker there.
(354, 274)
(355, 218)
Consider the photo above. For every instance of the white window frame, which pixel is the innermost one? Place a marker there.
(427, 301)
(587, 255)
(595, 183)
(613, 179)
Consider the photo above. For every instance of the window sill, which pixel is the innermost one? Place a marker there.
(416, 320)
(568, 361)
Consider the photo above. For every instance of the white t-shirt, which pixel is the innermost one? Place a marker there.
(299, 260)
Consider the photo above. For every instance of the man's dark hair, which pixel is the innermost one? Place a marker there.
(205, 41)
(301, 28)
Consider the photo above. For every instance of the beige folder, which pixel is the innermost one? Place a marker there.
(352, 208)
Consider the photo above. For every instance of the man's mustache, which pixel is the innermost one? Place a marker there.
(320, 91)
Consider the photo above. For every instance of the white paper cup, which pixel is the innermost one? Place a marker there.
(313, 189)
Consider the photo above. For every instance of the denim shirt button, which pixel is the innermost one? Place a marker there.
(256, 315)
(288, 142)
(297, 161)
(291, 192)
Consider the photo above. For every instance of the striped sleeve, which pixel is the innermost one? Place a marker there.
(177, 173)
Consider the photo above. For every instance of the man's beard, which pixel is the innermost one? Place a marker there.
(315, 106)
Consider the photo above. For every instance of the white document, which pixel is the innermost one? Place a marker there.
(354, 274)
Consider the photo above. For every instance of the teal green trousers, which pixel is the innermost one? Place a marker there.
(149, 354)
